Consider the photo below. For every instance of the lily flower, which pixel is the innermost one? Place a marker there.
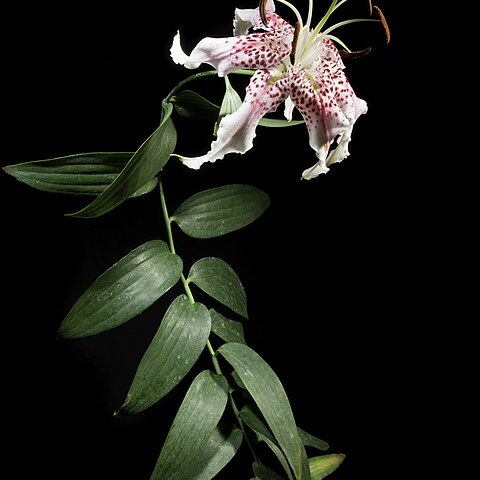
(299, 65)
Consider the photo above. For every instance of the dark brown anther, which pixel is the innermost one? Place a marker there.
(370, 7)
(356, 54)
(262, 7)
(382, 18)
(294, 43)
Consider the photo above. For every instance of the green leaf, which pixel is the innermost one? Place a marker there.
(324, 465)
(192, 427)
(146, 162)
(311, 441)
(82, 174)
(255, 421)
(270, 397)
(220, 210)
(217, 278)
(226, 329)
(279, 122)
(178, 343)
(264, 473)
(147, 188)
(191, 105)
(219, 449)
(123, 291)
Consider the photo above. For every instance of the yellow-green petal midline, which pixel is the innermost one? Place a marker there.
(294, 10)
(347, 22)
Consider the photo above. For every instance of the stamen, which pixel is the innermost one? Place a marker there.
(384, 23)
(262, 7)
(356, 54)
(370, 7)
(294, 10)
(295, 42)
(347, 22)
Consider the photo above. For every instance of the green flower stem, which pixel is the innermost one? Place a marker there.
(189, 294)
(201, 75)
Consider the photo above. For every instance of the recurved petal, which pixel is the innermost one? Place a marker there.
(237, 130)
(315, 99)
(248, 18)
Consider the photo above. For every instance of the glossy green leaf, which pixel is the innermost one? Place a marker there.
(219, 449)
(178, 343)
(146, 162)
(279, 122)
(264, 473)
(220, 210)
(190, 104)
(324, 465)
(226, 329)
(192, 427)
(311, 441)
(271, 399)
(217, 278)
(82, 174)
(123, 291)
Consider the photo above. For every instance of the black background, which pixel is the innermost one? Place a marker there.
(323, 269)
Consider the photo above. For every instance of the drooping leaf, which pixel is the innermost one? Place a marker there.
(218, 279)
(178, 343)
(219, 449)
(191, 105)
(220, 210)
(264, 473)
(145, 163)
(82, 174)
(123, 291)
(255, 421)
(272, 401)
(226, 329)
(192, 427)
(324, 465)
(311, 441)
(252, 417)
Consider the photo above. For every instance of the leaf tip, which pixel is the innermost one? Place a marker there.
(121, 411)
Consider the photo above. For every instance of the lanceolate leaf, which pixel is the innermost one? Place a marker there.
(271, 399)
(175, 348)
(264, 473)
(226, 329)
(220, 210)
(193, 426)
(254, 420)
(124, 290)
(192, 105)
(311, 441)
(217, 278)
(219, 449)
(83, 174)
(324, 465)
(146, 162)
